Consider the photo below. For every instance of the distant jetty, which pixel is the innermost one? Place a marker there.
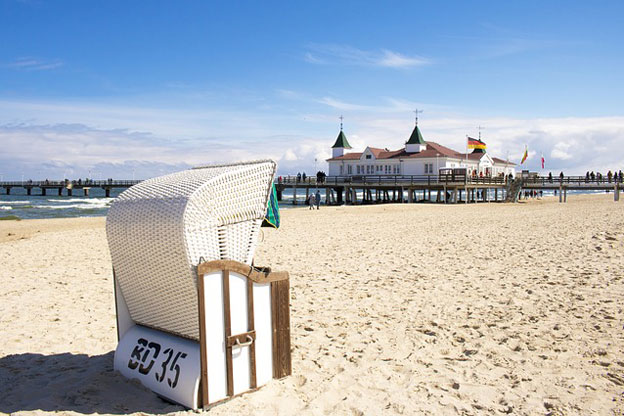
(449, 186)
(67, 186)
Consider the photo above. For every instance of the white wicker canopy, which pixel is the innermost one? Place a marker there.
(159, 229)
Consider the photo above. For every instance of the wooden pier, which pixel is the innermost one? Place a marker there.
(66, 186)
(374, 189)
(436, 188)
(398, 188)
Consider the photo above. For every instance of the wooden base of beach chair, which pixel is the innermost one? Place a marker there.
(244, 327)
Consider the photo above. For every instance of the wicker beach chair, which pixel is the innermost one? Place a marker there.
(196, 322)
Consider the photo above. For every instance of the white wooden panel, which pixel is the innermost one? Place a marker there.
(215, 337)
(238, 313)
(264, 332)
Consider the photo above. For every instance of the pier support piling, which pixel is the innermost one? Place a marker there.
(616, 192)
(43, 191)
(294, 195)
(60, 191)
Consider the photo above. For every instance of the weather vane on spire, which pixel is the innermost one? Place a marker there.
(341, 118)
(416, 111)
(480, 128)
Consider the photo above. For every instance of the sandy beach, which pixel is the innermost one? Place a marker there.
(395, 309)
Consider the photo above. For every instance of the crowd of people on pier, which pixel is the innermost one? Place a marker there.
(610, 177)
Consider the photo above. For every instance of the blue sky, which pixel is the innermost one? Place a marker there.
(112, 89)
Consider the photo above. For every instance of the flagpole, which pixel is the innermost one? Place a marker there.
(466, 157)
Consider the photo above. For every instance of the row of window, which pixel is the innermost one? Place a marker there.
(371, 169)
(395, 169)
(379, 169)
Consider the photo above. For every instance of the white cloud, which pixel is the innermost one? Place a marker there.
(347, 55)
(396, 60)
(115, 141)
(560, 151)
(34, 64)
(290, 156)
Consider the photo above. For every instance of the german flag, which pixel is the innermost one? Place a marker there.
(475, 144)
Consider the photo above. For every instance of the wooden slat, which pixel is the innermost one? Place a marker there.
(228, 331)
(203, 359)
(256, 275)
(280, 310)
(285, 367)
(251, 328)
(274, 326)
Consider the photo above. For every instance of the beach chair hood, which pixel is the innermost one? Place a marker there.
(159, 230)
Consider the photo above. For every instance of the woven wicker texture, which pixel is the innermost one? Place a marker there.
(159, 229)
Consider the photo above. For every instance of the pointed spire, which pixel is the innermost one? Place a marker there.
(416, 137)
(341, 140)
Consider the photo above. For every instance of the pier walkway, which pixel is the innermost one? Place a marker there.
(67, 186)
(443, 188)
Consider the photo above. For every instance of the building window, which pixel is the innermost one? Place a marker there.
(428, 168)
(358, 169)
(368, 156)
(349, 169)
(341, 169)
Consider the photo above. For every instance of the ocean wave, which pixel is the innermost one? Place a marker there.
(94, 201)
(5, 208)
(102, 205)
(15, 202)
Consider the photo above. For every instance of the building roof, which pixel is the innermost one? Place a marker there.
(341, 141)
(433, 150)
(416, 137)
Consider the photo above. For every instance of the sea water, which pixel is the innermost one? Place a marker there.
(35, 206)
(22, 206)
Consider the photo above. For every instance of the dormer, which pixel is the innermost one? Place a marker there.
(367, 154)
(416, 143)
(341, 144)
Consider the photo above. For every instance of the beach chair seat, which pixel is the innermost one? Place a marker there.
(196, 322)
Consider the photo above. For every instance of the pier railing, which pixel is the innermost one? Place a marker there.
(73, 183)
(571, 180)
(398, 180)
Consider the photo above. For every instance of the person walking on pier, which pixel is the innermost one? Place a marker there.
(318, 198)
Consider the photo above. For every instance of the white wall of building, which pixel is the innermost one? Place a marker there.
(421, 166)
